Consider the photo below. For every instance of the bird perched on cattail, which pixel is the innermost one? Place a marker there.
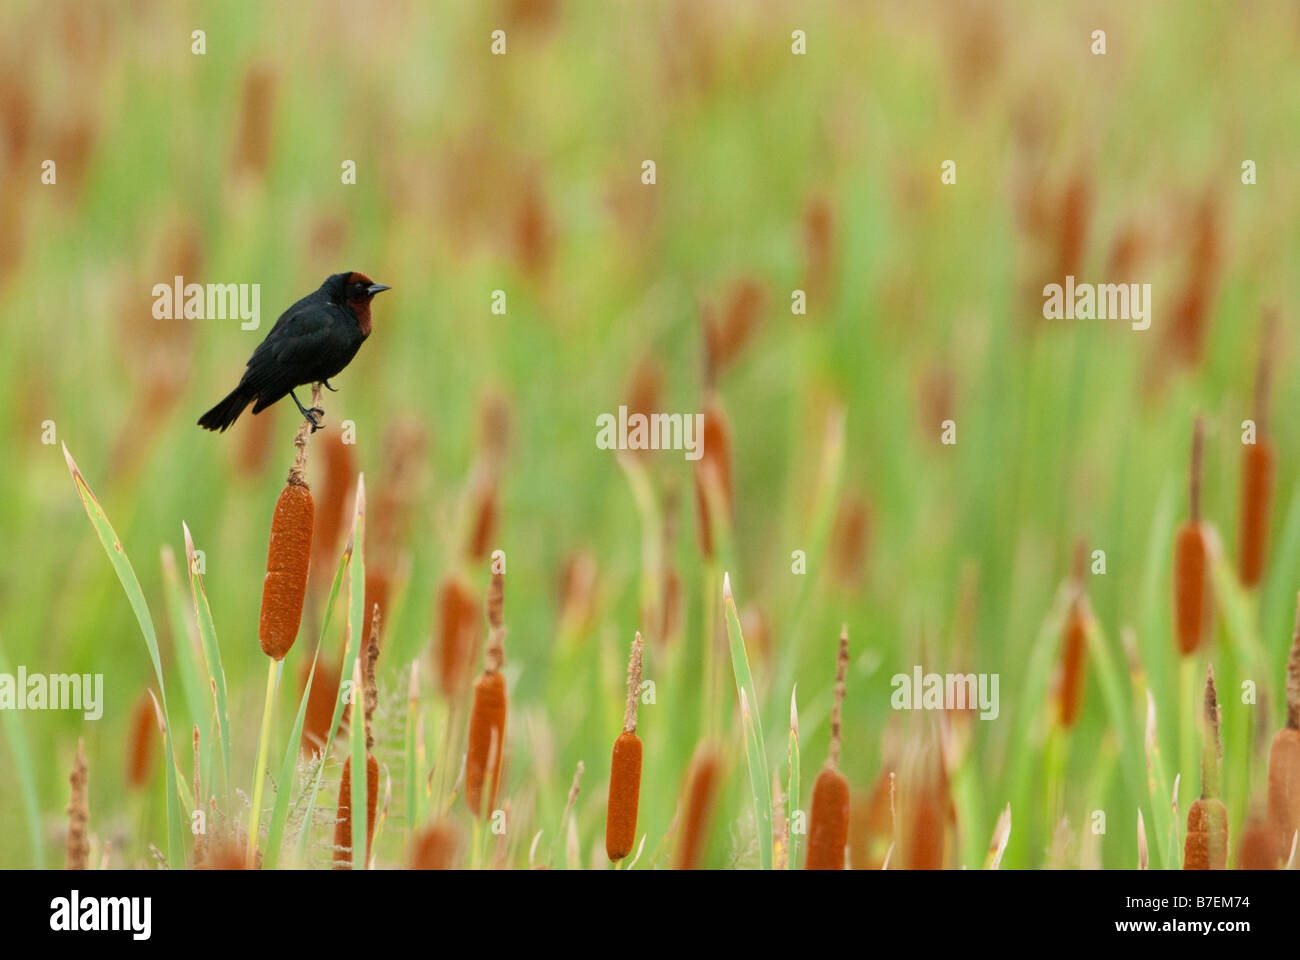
(312, 341)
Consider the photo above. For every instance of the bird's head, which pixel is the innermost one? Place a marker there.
(356, 290)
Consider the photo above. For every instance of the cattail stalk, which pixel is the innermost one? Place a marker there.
(625, 769)
(1257, 471)
(78, 849)
(487, 719)
(283, 592)
(828, 821)
(1284, 759)
(1192, 599)
(1206, 845)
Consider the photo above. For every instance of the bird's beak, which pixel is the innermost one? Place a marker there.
(377, 288)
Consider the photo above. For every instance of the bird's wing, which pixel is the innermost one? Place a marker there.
(287, 349)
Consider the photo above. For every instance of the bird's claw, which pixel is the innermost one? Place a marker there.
(330, 387)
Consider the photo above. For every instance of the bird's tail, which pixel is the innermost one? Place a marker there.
(228, 410)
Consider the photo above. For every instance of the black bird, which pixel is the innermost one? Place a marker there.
(312, 341)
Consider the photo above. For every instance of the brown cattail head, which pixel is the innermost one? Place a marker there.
(343, 825)
(320, 705)
(1076, 204)
(1257, 849)
(1192, 594)
(850, 537)
(487, 726)
(1206, 847)
(1257, 472)
(1284, 759)
(458, 635)
(819, 248)
(625, 769)
(713, 469)
(487, 720)
(141, 745)
(1074, 650)
(437, 847)
(726, 336)
(253, 148)
(77, 855)
(924, 809)
(340, 473)
(701, 789)
(287, 559)
(828, 821)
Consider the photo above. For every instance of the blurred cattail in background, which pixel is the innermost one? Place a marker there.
(1192, 591)
(819, 253)
(256, 114)
(701, 794)
(457, 639)
(1074, 646)
(850, 540)
(437, 847)
(713, 469)
(1284, 759)
(1257, 471)
(338, 474)
(1073, 220)
(925, 809)
(1187, 333)
(487, 719)
(142, 742)
(727, 330)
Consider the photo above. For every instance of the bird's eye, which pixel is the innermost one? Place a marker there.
(358, 291)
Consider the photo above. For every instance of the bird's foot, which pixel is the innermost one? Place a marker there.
(329, 386)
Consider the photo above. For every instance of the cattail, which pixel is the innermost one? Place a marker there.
(577, 592)
(1187, 331)
(625, 769)
(534, 234)
(487, 719)
(1074, 215)
(1075, 646)
(713, 469)
(78, 849)
(1192, 598)
(828, 821)
(376, 597)
(850, 537)
(1257, 475)
(1257, 849)
(343, 823)
(340, 469)
(1206, 847)
(458, 635)
(726, 337)
(1284, 759)
(819, 248)
(289, 554)
(925, 809)
(437, 847)
(320, 705)
(253, 147)
(141, 742)
(702, 786)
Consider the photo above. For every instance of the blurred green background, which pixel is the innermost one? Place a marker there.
(775, 172)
